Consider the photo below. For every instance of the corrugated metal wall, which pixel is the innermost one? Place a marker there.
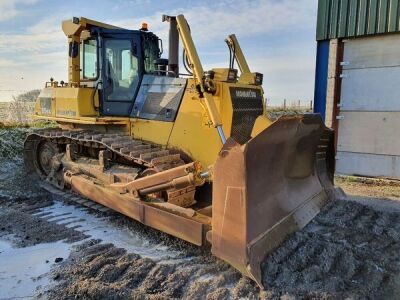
(351, 18)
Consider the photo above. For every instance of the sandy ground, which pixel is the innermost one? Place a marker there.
(52, 248)
(367, 190)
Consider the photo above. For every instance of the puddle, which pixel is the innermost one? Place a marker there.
(23, 271)
(101, 228)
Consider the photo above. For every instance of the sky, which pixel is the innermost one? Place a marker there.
(276, 36)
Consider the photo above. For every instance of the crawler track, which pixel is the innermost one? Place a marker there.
(111, 149)
(136, 152)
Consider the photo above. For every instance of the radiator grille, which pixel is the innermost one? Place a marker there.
(247, 106)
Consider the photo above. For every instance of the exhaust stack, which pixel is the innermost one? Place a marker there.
(173, 47)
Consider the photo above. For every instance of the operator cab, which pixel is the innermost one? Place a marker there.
(114, 61)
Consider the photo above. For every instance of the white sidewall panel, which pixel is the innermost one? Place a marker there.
(374, 89)
(368, 165)
(372, 52)
(369, 123)
(370, 132)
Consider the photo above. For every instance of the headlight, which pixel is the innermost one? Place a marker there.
(232, 75)
(209, 74)
(259, 79)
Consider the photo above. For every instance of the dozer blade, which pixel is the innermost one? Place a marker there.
(268, 188)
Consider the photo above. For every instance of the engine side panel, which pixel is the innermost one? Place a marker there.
(192, 131)
(156, 132)
(159, 98)
(67, 102)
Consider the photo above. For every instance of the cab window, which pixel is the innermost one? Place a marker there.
(88, 58)
(151, 53)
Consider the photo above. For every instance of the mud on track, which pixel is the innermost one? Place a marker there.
(349, 250)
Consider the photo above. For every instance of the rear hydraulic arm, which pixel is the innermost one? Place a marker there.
(237, 52)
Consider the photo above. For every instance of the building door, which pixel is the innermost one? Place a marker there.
(369, 120)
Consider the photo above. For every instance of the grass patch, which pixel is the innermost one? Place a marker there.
(276, 112)
(366, 180)
(12, 137)
(35, 124)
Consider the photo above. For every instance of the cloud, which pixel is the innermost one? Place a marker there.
(7, 63)
(285, 76)
(250, 18)
(247, 18)
(50, 24)
(27, 43)
(31, 57)
(263, 26)
(288, 67)
(9, 9)
(43, 36)
(22, 77)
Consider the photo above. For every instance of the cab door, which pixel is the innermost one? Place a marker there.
(122, 69)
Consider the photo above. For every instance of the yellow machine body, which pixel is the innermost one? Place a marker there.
(267, 178)
(192, 132)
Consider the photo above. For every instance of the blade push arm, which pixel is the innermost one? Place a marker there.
(198, 73)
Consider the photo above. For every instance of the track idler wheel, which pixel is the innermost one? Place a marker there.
(45, 153)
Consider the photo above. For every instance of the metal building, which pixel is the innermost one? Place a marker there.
(357, 87)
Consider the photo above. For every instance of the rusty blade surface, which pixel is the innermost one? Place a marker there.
(268, 188)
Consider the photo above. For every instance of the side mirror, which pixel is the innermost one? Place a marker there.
(160, 46)
(73, 49)
(134, 49)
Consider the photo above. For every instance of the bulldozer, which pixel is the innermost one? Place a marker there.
(191, 154)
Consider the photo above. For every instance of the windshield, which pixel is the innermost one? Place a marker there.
(121, 70)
